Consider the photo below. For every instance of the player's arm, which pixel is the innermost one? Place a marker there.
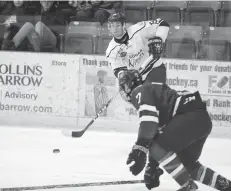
(117, 63)
(142, 98)
(148, 116)
(156, 32)
(156, 28)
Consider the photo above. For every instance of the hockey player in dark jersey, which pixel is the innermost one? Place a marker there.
(177, 145)
(133, 46)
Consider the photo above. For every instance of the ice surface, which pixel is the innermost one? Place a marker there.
(27, 159)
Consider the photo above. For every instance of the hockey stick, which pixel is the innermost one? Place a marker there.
(75, 185)
(77, 134)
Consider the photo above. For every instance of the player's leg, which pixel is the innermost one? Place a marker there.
(181, 132)
(172, 164)
(190, 155)
(199, 172)
(209, 177)
(189, 147)
(185, 129)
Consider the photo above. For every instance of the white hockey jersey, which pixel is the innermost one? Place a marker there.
(133, 54)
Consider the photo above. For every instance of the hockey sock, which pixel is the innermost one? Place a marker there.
(172, 164)
(210, 178)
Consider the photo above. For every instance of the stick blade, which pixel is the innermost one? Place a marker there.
(77, 134)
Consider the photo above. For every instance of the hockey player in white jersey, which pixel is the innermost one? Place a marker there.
(131, 47)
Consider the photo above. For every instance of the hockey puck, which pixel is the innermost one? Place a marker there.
(56, 151)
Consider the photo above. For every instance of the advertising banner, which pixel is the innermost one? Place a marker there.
(97, 85)
(39, 84)
(73, 86)
(211, 78)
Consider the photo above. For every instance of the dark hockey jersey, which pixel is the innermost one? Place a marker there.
(157, 103)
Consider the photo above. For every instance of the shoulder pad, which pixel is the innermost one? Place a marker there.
(135, 28)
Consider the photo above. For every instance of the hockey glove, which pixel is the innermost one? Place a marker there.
(124, 96)
(152, 175)
(155, 46)
(138, 155)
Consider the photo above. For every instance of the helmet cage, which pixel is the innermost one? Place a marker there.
(129, 81)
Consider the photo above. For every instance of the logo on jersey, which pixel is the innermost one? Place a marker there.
(123, 54)
(137, 55)
(134, 59)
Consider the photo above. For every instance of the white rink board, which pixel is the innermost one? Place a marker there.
(38, 89)
(66, 96)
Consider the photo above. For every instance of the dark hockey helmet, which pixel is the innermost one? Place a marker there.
(129, 80)
(117, 17)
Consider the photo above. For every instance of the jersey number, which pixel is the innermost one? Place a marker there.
(157, 21)
(138, 97)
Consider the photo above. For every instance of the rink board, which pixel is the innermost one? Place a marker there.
(62, 91)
